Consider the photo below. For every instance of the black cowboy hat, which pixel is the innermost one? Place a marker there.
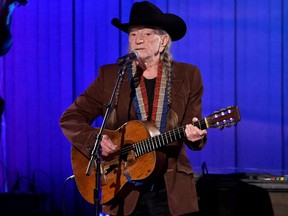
(146, 14)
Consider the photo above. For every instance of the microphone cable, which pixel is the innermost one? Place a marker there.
(63, 193)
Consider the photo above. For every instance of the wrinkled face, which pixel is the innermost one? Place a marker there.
(147, 42)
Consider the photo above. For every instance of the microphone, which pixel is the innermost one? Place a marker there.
(127, 58)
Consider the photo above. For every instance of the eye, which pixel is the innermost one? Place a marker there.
(147, 34)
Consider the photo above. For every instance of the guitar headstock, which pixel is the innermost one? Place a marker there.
(223, 118)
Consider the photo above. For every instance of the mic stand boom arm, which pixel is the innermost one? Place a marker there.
(96, 152)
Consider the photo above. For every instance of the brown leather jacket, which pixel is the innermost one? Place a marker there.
(187, 91)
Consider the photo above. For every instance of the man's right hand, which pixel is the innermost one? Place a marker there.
(107, 145)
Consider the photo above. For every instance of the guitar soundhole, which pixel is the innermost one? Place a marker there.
(111, 168)
(125, 160)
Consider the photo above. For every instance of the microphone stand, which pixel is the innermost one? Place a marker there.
(96, 152)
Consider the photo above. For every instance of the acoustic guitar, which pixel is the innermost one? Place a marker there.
(137, 158)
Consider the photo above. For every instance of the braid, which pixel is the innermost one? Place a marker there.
(166, 57)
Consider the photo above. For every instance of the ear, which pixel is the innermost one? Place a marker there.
(163, 43)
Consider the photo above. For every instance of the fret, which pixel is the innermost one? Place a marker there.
(141, 147)
(152, 141)
(170, 137)
(165, 135)
(175, 135)
(160, 141)
(136, 149)
(154, 144)
(151, 146)
(179, 134)
(146, 144)
(164, 139)
(157, 144)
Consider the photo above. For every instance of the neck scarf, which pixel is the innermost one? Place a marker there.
(140, 100)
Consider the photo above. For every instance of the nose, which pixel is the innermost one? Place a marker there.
(139, 40)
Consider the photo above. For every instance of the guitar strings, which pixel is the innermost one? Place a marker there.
(126, 149)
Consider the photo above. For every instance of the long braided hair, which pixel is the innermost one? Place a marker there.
(166, 58)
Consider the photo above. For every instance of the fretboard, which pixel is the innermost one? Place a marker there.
(161, 140)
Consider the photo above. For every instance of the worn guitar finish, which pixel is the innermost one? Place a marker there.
(137, 159)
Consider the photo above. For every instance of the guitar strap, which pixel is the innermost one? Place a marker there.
(140, 99)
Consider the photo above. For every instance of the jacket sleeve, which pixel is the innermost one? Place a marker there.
(76, 121)
(194, 104)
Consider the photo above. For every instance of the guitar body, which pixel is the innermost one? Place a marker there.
(123, 167)
(136, 159)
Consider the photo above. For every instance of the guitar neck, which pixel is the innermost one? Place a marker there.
(164, 139)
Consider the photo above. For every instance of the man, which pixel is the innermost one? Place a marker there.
(157, 90)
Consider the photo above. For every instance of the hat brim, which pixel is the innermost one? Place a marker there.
(172, 24)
